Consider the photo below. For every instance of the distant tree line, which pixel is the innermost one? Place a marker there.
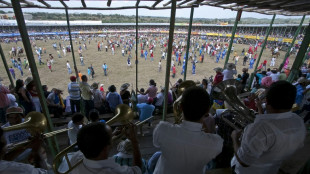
(116, 18)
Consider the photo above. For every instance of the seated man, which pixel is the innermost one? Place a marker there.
(55, 103)
(186, 148)
(16, 167)
(95, 141)
(113, 98)
(146, 109)
(15, 116)
(142, 98)
(76, 124)
(273, 137)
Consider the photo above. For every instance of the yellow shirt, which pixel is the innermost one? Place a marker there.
(86, 92)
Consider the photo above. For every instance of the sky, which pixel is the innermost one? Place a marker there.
(201, 12)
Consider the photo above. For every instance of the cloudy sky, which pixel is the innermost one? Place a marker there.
(201, 12)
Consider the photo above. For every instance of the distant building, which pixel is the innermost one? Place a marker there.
(12, 16)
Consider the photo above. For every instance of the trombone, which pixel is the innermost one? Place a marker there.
(124, 115)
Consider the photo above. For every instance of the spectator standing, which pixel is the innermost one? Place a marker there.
(74, 95)
(4, 102)
(87, 95)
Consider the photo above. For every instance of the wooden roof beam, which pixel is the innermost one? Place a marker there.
(63, 3)
(45, 3)
(137, 3)
(28, 3)
(109, 3)
(183, 2)
(156, 3)
(83, 3)
(6, 3)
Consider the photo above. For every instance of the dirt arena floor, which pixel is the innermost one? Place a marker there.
(118, 71)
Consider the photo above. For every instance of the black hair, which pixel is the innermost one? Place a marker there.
(77, 117)
(281, 95)
(19, 84)
(152, 82)
(93, 138)
(84, 77)
(195, 103)
(142, 90)
(93, 115)
(205, 81)
(44, 87)
(112, 88)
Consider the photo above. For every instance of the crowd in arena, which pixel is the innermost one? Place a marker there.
(195, 145)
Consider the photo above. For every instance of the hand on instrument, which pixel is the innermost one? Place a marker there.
(236, 135)
(131, 132)
(36, 142)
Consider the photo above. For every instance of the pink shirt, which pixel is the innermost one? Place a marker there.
(4, 100)
(152, 91)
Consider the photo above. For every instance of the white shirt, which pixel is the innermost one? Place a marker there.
(12, 167)
(160, 99)
(275, 76)
(268, 141)
(68, 66)
(72, 133)
(108, 166)
(229, 74)
(185, 148)
(142, 98)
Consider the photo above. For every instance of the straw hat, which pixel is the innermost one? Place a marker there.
(14, 110)
(125, 86)
(101, 85)
(230, 66)
(218, 69)
(28, 80)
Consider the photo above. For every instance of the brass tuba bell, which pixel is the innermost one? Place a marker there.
(177, 111)
(227, 90)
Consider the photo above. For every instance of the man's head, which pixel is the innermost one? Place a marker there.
(78, 118)
(142, 90)
(112, 88)
(94, 141)
(281, 96)
(93, 115)
(14, 115)
(195, 103)
(84, 78)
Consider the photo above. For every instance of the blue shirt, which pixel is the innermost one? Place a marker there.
(260, 76)
(145, 110)
(299, 94)
(114, 99)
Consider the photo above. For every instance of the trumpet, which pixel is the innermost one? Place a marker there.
(124, 115)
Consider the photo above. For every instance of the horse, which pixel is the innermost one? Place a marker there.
(20, 52)
(277, 54)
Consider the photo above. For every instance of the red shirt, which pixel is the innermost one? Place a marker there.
(173, 70)
(265, 62)
(218, 78)
(4, 100)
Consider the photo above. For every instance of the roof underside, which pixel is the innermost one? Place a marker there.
(269, 7)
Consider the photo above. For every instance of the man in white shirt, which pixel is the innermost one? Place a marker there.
(273, 137)
(274, 75)
(75, 124)
(12, 167)
(186, 148)
(95, 141)
(69, 67)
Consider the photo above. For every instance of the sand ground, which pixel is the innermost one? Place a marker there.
(118, 71)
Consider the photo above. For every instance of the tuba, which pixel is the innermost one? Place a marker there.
(124, 115)
(241, 116)
(177, 111)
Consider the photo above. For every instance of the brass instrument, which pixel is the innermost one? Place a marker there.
(241, 116)
(124, 115)
(35, 122)
(177, 111)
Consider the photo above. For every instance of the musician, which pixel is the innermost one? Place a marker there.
(186, 148)
(272, 137)
(95, 141)
(13, 167)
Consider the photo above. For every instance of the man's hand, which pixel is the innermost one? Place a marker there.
(131, 132)
(235, 136)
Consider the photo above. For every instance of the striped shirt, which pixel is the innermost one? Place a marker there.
(74, 91)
